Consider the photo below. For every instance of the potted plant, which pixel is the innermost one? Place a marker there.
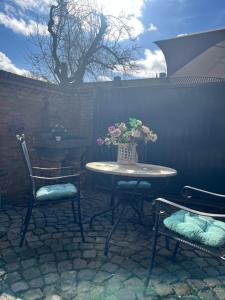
(127, 136)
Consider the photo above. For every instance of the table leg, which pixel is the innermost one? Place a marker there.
(112, 199)
(113, 206)
(106, 249)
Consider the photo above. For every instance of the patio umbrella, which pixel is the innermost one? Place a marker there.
(199, 54)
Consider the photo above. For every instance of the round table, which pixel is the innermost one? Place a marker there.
(136, 170)
(133, 170)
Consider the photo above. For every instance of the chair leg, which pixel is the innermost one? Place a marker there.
(26, 224)
(112, 203)
(167, 243)
(80, 221)
(152, 260)
(175, 251)
(74, 213)
(106, 249)
(155, 237)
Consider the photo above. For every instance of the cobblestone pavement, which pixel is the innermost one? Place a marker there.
(55, 264)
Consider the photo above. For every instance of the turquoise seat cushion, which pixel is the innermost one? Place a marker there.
(204, 230)
(56, 192)
(131, 184)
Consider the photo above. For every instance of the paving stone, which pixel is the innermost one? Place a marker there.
(102, 276)
(50, 290)
(31, 273)
(19, 286)
(212, 282)
(89, 253)
(163, 290)
(206, 295)
(111, 297)
(196, 284)
(33, 294)
(37, 282)
(13, 277)
(181, 289)
(126, 294)
(190, 297)
(65, 265)
(51, 278)
(212, 272)
(68, 280)
(109, 267)
(112, 285)
(28, 263)
(220, 292)
(85, 274)
(84, 286)
(79, 263)
(12, 267)
(48, 268)
(47, 258)
(53, 297)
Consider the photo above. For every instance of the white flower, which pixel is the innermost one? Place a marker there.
(145, 129)
(135, 133)
(153, 137)
(107, 141)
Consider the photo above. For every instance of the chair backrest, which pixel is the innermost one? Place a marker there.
(23, 146)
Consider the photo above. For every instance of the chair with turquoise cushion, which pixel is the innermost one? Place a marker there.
(201, 229)
(61, 188)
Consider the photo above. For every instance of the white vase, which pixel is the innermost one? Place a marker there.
(127, 153)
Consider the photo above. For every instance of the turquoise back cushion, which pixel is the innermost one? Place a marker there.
(56, 192)
(131, 184)
(205, 230)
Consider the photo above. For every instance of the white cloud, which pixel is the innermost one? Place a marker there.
(7, 65)
(152, 27)
(136, 25)
(153, 63)
(132, 9)
(182, 34)
(40, 5)
(22, 27)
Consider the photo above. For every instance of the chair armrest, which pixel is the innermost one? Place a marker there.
(51, 169)
(170, 203)
(55, 178)
(188, 188)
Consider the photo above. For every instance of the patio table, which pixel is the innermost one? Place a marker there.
(137, 170)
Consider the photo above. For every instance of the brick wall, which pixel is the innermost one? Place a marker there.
(29, 106)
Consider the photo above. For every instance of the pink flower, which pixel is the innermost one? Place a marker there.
(145, 129)
(100, 141)
(115, 133)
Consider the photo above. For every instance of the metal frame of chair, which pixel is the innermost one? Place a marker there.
(73, 178)
(160, 230)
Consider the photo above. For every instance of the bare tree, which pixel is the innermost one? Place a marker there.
(83, 43)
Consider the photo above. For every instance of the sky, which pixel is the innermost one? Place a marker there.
(151, 20)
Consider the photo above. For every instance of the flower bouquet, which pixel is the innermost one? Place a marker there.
(127, 136)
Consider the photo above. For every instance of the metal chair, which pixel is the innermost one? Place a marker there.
(57, 191)
(196, 228)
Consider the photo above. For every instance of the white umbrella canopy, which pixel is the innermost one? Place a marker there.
(198, 55)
